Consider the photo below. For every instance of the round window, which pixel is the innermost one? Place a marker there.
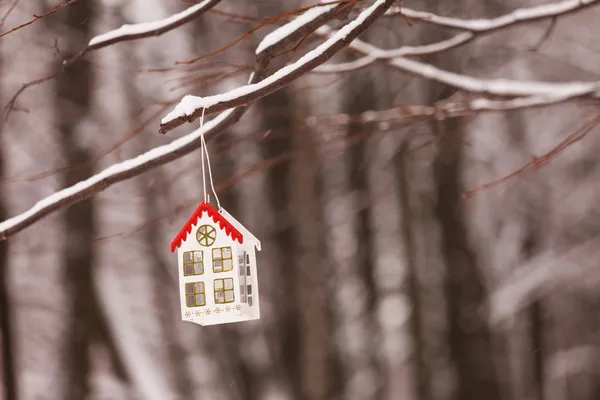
(206, 235)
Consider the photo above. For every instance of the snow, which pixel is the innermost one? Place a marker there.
(189, 103)
(111, 171)
(403, 51)
(145, 27)
(522, 14)
(281, 33)
(498, 87)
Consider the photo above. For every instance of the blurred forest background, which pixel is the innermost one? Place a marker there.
(379, 279)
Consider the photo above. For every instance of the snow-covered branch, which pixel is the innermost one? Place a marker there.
(124, 33)
(471, 27)
(518, 16)
(297, 28)
(117, 173)
(403, 51)
(457, 105)
(466, 83)
(149, 29)
(153, 158)
(191, 107)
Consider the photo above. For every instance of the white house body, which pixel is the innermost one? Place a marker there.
(218, 281)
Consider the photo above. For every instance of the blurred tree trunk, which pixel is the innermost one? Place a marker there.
(7, 324)
(361, 97)
(470, 337)
(311, 265)
(422, 382)
(276, 110)
(86, 323)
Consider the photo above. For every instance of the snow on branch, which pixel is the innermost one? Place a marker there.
(471, 27)
(403, 51)
(124, 33)
(520, 15)
(147, 161)
(190, 107)
(155, 28)
(494, 87)
(288, 31)
(116, 173)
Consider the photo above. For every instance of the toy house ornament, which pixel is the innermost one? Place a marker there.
(218, 280)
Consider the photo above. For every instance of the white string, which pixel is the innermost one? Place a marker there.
(202, 144)
(204, 150)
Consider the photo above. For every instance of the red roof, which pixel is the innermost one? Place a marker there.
(216, 216)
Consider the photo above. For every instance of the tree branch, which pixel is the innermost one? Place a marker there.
(124, 33)
(136, 166)
(191, 107)
(471, 29)
(469, 84)
(143, 30)
(37, 17)
(149, 29)
(117, 173)
(518, 16)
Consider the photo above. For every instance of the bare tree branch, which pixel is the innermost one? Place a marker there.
(191, 107)
(538, 162)
(10, 10)
(38, 17)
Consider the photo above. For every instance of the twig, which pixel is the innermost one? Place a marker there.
(11, 103)
(38, 17)
(10, 10)
(547, 33)
(537, 162)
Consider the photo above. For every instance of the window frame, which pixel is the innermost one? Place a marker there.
(224, 290)
(193, 262)
(222, 259)
(209, 232)
(195, 294)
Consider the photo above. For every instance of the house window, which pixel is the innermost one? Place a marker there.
(194, 294)
(224, 291)
(222, 259)
(193, 263)
(206, 235)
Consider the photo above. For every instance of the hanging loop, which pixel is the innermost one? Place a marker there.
(204, 151)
